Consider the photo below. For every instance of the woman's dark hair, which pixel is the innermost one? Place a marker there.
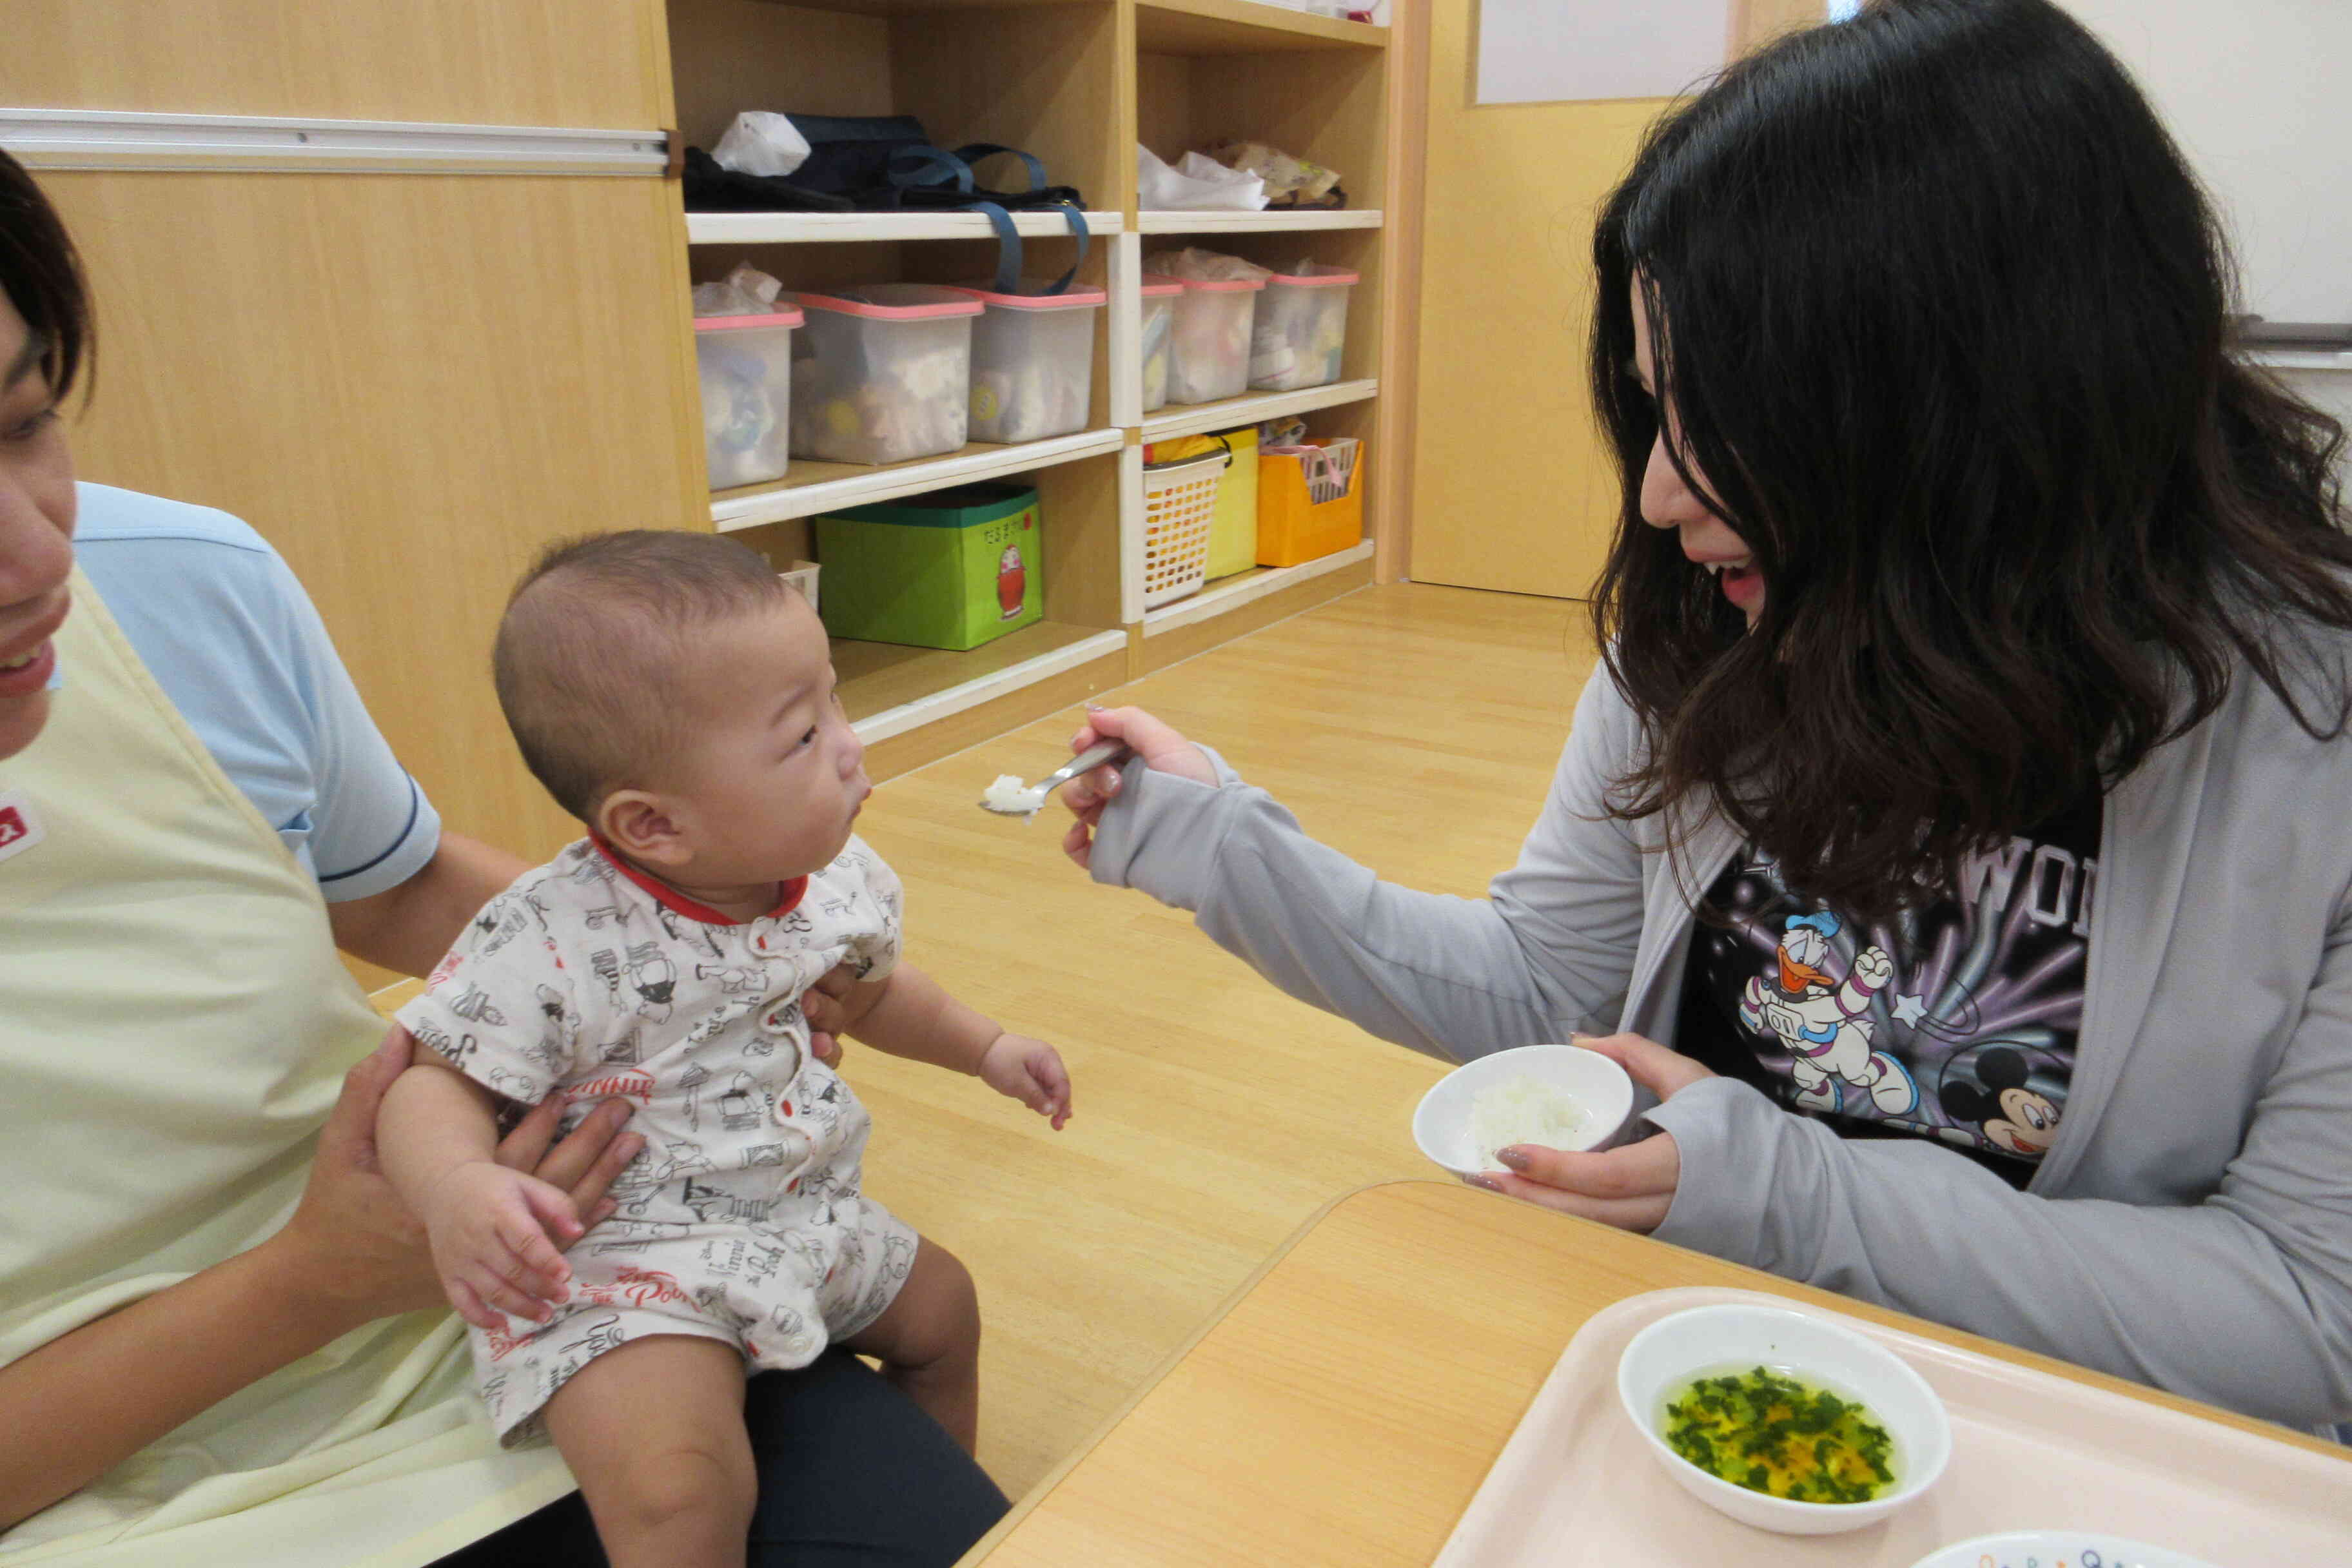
(42, 276)
(1944, 320)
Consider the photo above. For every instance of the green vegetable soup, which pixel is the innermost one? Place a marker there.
(1780, 1436)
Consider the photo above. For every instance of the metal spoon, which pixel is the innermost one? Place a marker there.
(1007, 797)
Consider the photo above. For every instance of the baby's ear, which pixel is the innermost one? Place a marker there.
(642, 825)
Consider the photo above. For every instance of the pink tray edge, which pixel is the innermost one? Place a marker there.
(2202, 1451)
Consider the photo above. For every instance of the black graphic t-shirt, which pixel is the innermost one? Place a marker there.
(1956, 1023)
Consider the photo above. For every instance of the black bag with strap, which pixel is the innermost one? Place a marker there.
(887, 164)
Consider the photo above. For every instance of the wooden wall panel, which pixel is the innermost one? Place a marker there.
(408, 383)
(1512, 487)
(486, 62)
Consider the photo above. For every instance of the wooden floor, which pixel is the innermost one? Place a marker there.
(1415, 728)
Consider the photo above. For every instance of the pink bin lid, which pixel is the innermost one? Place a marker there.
(744, 323)
(1068, 300)
(1332, 279)
(1156, 284)
(1222, 285)
(896, 302)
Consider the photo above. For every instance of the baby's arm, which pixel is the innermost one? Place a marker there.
(912, 1016)
(497, 1235)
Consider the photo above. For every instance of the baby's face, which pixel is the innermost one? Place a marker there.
(768, 786)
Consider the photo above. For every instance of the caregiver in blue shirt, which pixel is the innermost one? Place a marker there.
(220, 1336)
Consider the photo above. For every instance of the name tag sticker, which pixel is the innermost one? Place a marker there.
(20, 826)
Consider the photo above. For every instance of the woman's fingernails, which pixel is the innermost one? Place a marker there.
(1483, 1184)
(1097, 708)
(1512, 1158)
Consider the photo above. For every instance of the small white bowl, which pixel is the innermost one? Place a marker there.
(2020, 1548)
(1711, 1340)
(1441, 1123)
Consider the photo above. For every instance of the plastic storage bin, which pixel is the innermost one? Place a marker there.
(882, 374)
(746, 366)
(1293, 525)
(953, 569)
(1302, 329)
(1209, 341)
(1179, 504)
(1033, 362)
(1159, 295)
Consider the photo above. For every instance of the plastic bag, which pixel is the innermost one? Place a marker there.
(1204, 266)
(1202, 184)
(1289, 182)
(760, 142)
(746, 291)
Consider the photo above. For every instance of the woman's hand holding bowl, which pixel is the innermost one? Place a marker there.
(1631, 1186)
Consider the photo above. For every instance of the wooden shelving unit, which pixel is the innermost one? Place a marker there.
(1251, 408)
(1272, 221)
(812, 489)
(1078, 84)
(833, 228)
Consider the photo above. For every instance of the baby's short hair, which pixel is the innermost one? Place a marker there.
(590, 659)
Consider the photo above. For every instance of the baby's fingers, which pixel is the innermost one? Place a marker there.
(1052, 1081)
(469, 1306)
(496, 1287)
(539, 1233)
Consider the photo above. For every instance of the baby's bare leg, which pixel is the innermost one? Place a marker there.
(654, 1430)
(929, 1342)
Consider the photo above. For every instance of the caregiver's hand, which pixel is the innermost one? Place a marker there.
(834, 1006)
(353, 1249)
(1162, 749)
(1630, 1187)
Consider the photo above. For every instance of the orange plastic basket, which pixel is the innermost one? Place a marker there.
(1293, 526)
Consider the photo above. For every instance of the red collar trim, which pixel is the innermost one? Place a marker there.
(789, 899)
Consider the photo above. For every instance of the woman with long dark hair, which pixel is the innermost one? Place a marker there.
(1959, 835)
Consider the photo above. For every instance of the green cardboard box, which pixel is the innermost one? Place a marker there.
(952, 569)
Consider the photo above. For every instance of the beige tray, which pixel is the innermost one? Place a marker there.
(1577, 1485)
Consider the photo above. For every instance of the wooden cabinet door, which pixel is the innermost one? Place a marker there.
(408, 383)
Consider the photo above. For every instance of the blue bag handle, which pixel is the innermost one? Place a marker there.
(930, 167)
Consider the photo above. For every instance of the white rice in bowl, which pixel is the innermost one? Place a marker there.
(1524, 1109)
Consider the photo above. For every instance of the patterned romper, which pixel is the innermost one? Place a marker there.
(741, 1219)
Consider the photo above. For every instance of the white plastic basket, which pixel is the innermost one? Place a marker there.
(1179, 502)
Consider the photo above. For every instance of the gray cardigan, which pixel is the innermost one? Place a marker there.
(2190, 1228)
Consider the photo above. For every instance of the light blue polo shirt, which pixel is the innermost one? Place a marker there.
(225, 627)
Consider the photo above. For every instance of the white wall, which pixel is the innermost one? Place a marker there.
(2259, 94)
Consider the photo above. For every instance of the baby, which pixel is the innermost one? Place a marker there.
(678, 699)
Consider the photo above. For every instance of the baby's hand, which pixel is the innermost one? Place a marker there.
(1031, 1071)
(498, 1241)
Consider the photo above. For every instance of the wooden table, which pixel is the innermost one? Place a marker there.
(1346, 1404)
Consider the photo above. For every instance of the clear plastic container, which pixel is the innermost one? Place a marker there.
(747, 394)
(1033, 362)
(882, 374)
(1302, 329)
(1160, 296)
(1209, 341)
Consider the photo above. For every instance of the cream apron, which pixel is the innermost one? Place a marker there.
(174, 1025)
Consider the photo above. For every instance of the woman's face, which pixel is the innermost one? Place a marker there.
(1668, 502)
(36, 524)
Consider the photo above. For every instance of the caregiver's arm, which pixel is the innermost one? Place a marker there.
(92, 1397)
(407, 928)
(1550, 949)
(2244, 1300)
